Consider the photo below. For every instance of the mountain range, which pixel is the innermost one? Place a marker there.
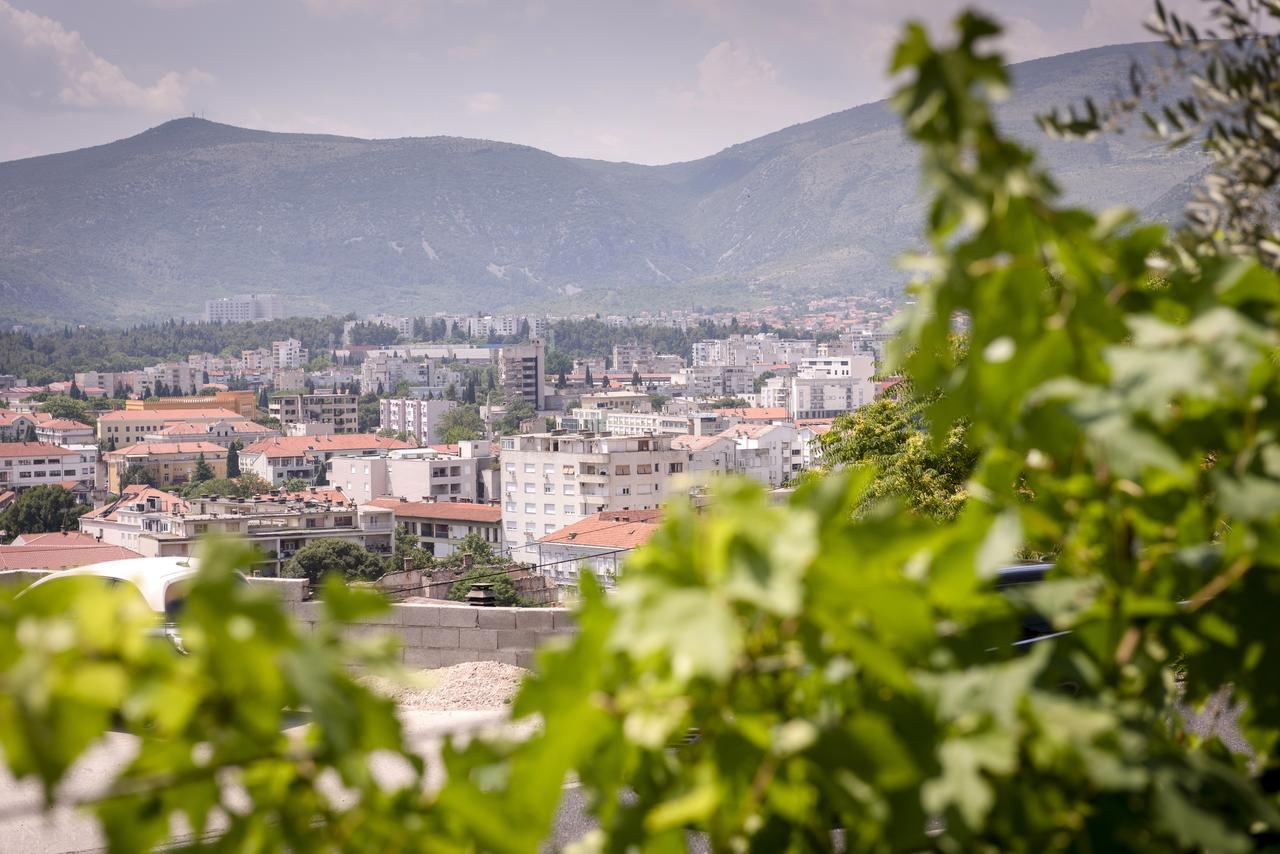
(151, 226)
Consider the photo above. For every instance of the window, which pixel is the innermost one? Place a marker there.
(511, 524)
(626, 490)
(548, 468)
(548, 529)
(570, 510)
(510, 507)
(549, 509)
(530, 468)
(675, 468)
(549, 488)
(622, 470)
(528, 526)
(342, 521)
(531, 508)
(569, 489)
(529, 487)
(511, 467)
(644, 468)
(200, 528)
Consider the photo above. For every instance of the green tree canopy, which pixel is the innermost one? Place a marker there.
(41, 509)
(461, 423)
(233, 458)
(203, 471)
(137, 474)
(318, 558)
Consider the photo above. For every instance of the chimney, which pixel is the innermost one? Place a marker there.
(481, 595)
(408, 564)
(468, 560)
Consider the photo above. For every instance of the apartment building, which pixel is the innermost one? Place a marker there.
(418, 418)
(825, 386)
(27, 464)
(383, 369)
(550, 480)
(623, 400)
(417, 474)
(243, 308)
(630, 357)
(279, 459)
(127, 426)
(156, 524)
(167, 463)
(441, 526)
(768, 453)
(714, 381)
(339, 410)
(288, 354)
(169, 377)
(623, 423)
(521, 372)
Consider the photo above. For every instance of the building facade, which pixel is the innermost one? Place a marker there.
(27, 464)
(440, 527)
(551, 480)
(522, 370)
(418, 418)
(243, 308)
(167, 463)
(339, 410)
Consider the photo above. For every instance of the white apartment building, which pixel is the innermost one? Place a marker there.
(550, 480)
(714, 380)
(27, 464)
(764, 348)
(155, 524)
(621, 423)
(243, 308)
(768, 453)
(440, 527)
(631, 357)
(418, 418)
(383, 368)
(826, 386)
(288, 354)
(178, 378)
(418, 474)
(63, 432)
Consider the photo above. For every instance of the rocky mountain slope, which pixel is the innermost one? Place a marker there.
(153, 225)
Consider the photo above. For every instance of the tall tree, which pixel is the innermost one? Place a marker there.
(203, 470)
(233, 458)
(41, 509)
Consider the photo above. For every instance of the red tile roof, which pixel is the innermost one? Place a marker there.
(296, 446)
(8, 416)
(56, 538)
(34, 449)
(147, 449)
(625, 529)
(164, 415)
(757, 413)
(61, 556)
(457, 511)
(331, 494)
(62, 424)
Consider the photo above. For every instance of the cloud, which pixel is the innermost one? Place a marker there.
(83, 79)
(730, 76)
(479, 103)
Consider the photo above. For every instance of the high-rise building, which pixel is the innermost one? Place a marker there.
(521, 372)
(418, 418)
(243, 308)
(550, 480)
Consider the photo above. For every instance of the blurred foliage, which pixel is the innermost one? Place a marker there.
(1217, 83)
(845, 666)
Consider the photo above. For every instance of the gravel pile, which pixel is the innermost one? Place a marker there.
(473, 685)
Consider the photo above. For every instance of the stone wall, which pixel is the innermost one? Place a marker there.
(440, 633)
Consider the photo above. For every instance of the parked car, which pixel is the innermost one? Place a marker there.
(161, 582)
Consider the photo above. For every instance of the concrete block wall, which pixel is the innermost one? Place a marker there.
(439, 634)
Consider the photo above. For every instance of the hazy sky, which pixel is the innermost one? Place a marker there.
(651, 81)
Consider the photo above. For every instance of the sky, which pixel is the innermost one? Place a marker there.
(646, 81)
